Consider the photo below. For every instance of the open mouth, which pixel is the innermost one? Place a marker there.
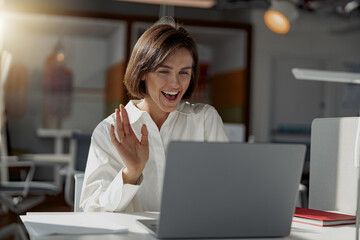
(171, 96)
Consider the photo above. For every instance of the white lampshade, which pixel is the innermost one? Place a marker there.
(280, 16)
(329, 76)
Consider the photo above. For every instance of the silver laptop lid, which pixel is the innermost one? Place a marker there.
(229, 189)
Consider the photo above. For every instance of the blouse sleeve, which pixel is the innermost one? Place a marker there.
(214, 127)
(103, 187)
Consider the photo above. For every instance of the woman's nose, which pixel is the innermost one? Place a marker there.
(174, 80)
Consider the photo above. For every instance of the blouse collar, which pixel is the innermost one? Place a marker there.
(135, 113)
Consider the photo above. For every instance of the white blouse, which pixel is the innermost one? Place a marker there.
(103, 188)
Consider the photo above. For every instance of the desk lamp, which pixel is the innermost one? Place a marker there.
(340, 77)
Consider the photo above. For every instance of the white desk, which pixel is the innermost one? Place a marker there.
(137, 232)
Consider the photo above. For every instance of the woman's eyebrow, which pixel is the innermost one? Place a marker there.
(189, 67)
(166, 66)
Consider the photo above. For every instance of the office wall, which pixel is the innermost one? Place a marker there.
(116, 51)
(230, 53)
(116, 45)
(227, 77)
(311, 41)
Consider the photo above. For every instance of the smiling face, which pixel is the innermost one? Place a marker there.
(167, 84)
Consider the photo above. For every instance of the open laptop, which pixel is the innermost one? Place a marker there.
(228, 190)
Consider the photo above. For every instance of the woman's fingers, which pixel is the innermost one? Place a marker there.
(125, 120)
(119, 127)
(122, 125)
(144, 135)
(113, 137)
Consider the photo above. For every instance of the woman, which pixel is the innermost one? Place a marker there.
(126, 159)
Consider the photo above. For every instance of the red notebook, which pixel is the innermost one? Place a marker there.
(322, 218)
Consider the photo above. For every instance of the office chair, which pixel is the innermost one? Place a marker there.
(15, 229)
(14, 195)
(79, 179)
(79, 149)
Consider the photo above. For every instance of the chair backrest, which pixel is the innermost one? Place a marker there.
(79, 149)
(79, 179)
(83, 141)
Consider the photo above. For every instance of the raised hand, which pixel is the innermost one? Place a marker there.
(133, 152)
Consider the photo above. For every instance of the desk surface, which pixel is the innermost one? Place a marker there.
(137, 232)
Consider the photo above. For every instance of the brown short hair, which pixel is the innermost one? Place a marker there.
(151, 50)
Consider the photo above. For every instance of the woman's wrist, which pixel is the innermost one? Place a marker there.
(130, 177)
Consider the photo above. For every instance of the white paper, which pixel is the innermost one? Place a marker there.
(77, 223)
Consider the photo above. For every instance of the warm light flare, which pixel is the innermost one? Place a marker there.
(277, 22)
(1, 25)
(1, 31)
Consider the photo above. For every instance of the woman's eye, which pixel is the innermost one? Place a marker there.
(184, 73)
(163, 71)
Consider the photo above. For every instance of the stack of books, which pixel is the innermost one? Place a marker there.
(322, 218)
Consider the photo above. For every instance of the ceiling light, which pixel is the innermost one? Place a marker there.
(279, 17)
(182, 3)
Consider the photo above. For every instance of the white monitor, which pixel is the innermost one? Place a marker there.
(333, 174)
